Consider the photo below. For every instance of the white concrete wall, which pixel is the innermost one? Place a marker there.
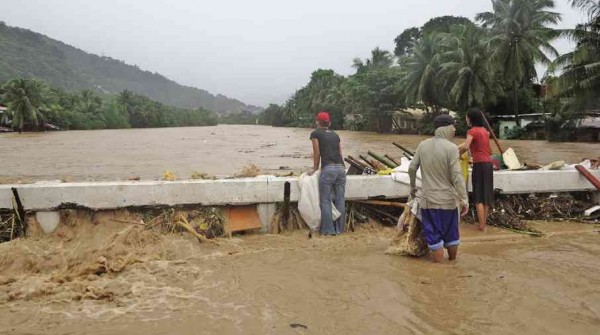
(105, 195)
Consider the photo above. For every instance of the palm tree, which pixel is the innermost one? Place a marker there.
(469, 75)
(591, 6)
(580, 77)
(380, 59)
(25, 101)
(89, 103)
(422, 70)
(520, 38)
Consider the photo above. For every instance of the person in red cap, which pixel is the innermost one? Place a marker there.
(327, 153)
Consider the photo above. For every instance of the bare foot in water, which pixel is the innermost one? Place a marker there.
(481, 228)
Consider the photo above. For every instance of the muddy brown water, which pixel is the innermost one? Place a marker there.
(288, 284)
(503, 283)
(221, 150)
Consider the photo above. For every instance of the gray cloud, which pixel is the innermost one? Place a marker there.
(257, 51)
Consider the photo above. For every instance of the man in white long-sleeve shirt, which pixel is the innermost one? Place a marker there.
(443, 188)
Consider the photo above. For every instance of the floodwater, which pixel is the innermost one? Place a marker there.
(115, 277)
(288, 284)
(219, 151)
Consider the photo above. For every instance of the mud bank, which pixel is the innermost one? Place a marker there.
(109, 277)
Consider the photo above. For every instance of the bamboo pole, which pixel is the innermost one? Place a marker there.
(354, 163)
(403, 149)
(382, 160)
(370, 162)
(392, 160)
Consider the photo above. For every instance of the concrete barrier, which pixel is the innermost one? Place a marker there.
(263, 189)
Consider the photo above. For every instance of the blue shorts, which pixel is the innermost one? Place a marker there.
(441, 227)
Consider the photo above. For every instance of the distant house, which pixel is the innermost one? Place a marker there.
(4, 121)
(533, 123)
(3, 115)
(408, 121)
(587, 129)
(354, 121)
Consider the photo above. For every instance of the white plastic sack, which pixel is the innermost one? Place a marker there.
(308, 202)
(400, 173)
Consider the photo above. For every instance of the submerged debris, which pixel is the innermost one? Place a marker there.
(204, 222)
(249, 171)
(202, 175)
(169, 176)
(282, 221)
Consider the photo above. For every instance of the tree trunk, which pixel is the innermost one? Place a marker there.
(516, 104)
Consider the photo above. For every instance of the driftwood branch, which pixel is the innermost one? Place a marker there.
(183, 222)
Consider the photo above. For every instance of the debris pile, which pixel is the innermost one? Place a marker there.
(410, 240)
(10, 226)
(286, 219)
(248, 171)
(205, 223)
(510, 210)
(385, 212)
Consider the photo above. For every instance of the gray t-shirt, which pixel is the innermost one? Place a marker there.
(442, 178)
(329, 146)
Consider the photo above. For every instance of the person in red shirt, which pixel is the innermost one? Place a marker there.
(478, 142)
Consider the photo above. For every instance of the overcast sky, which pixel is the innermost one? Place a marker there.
(257, 51)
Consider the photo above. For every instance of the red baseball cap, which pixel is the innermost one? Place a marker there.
(323, 117)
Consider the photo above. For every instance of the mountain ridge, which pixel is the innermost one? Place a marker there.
(28, 54)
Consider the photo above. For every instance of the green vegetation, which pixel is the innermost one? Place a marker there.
(33, 104)
(576, 88)
(29, 55)
(26, 100)
(451, 63)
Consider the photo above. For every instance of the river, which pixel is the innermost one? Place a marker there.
(157, 283)
(220, 151)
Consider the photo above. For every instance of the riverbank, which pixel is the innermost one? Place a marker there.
(502, 283)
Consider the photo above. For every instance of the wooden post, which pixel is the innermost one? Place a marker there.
(19, 210)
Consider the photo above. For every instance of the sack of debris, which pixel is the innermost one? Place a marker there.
(309, 203)
(410, 239)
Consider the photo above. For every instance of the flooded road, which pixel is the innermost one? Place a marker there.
(221, 150)
(288, 284)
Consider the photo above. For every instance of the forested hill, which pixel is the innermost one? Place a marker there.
(26, 54)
